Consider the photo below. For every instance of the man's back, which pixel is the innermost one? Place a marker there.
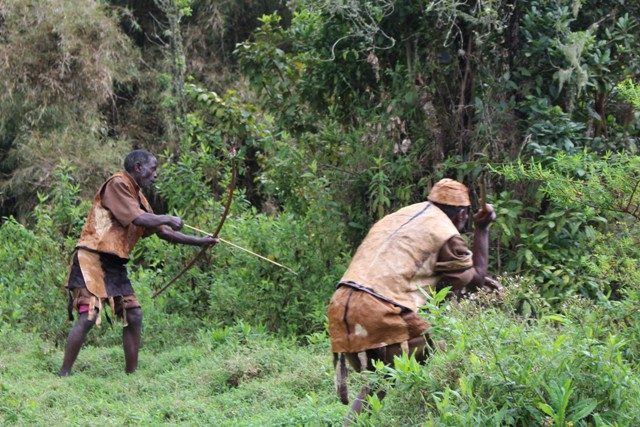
(399, 254)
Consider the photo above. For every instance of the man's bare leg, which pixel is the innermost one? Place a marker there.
(360, 403)
(417, 347)
(77, 335)
(131, 339)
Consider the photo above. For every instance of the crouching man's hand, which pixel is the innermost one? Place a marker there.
(484, 216)
(492, 285)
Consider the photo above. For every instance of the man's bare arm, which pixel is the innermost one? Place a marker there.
(482, 219)
(166, 233)
(153, 221)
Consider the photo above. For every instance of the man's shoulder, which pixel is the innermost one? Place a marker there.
(410, 210)
(119, 177)
(119, 186)
(421, 210)
(419, 219)
(428, 218)
(120, 180)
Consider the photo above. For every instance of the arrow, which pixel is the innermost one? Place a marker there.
(242, 249)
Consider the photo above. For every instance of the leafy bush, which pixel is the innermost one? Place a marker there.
(60, 63)
(560, 369)
(35, 262)
(563, 236)
(552, 248)
(552, 130)
(32, 272)
(234, 285)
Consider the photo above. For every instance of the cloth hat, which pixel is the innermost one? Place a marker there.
(450, 192)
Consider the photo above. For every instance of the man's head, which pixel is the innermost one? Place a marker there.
(452, 197)
(141, 165)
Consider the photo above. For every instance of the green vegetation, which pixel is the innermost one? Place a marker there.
(504, 365)
(508, 366)
(341, 112)
(230, 376)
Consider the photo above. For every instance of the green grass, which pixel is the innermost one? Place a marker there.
(576, 367)
(237, 379)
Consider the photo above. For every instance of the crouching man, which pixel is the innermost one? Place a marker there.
(373, 313)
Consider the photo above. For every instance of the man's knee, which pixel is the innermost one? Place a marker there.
(84, 321)
(134, 316)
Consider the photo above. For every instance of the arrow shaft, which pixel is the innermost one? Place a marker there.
(242, 249)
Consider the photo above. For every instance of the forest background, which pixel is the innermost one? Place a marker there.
(341, 111)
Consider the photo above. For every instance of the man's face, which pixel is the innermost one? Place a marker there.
(460, 220)
(145, 173)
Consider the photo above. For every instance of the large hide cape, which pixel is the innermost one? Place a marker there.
(378, 296)
(399, 254)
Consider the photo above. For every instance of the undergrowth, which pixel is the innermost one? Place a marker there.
(507, 367)
(229, 376)
(504, 365)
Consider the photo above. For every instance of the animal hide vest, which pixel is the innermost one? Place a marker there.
(103, 233)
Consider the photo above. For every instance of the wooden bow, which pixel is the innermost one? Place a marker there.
(483, 192)
(231, 188)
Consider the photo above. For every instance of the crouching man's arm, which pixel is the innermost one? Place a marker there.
(482, 220)
(463, 269)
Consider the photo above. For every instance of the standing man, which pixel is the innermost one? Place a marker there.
(373, 312)
(119, 217)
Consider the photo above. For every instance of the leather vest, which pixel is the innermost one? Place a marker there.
(103, 233)
(399, 254)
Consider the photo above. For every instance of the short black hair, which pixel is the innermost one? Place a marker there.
(136, 156)
(451, 211)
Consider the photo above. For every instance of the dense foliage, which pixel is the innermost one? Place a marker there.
(342, 111)
(573, 367)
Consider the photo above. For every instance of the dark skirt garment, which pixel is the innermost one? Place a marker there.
(114, 269)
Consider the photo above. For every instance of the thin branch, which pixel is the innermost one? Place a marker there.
(633, 194)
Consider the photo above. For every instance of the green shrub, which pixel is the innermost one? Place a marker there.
(234, 285)
(553, 248)
(570, 368)
(576, 233)
(32, 273)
